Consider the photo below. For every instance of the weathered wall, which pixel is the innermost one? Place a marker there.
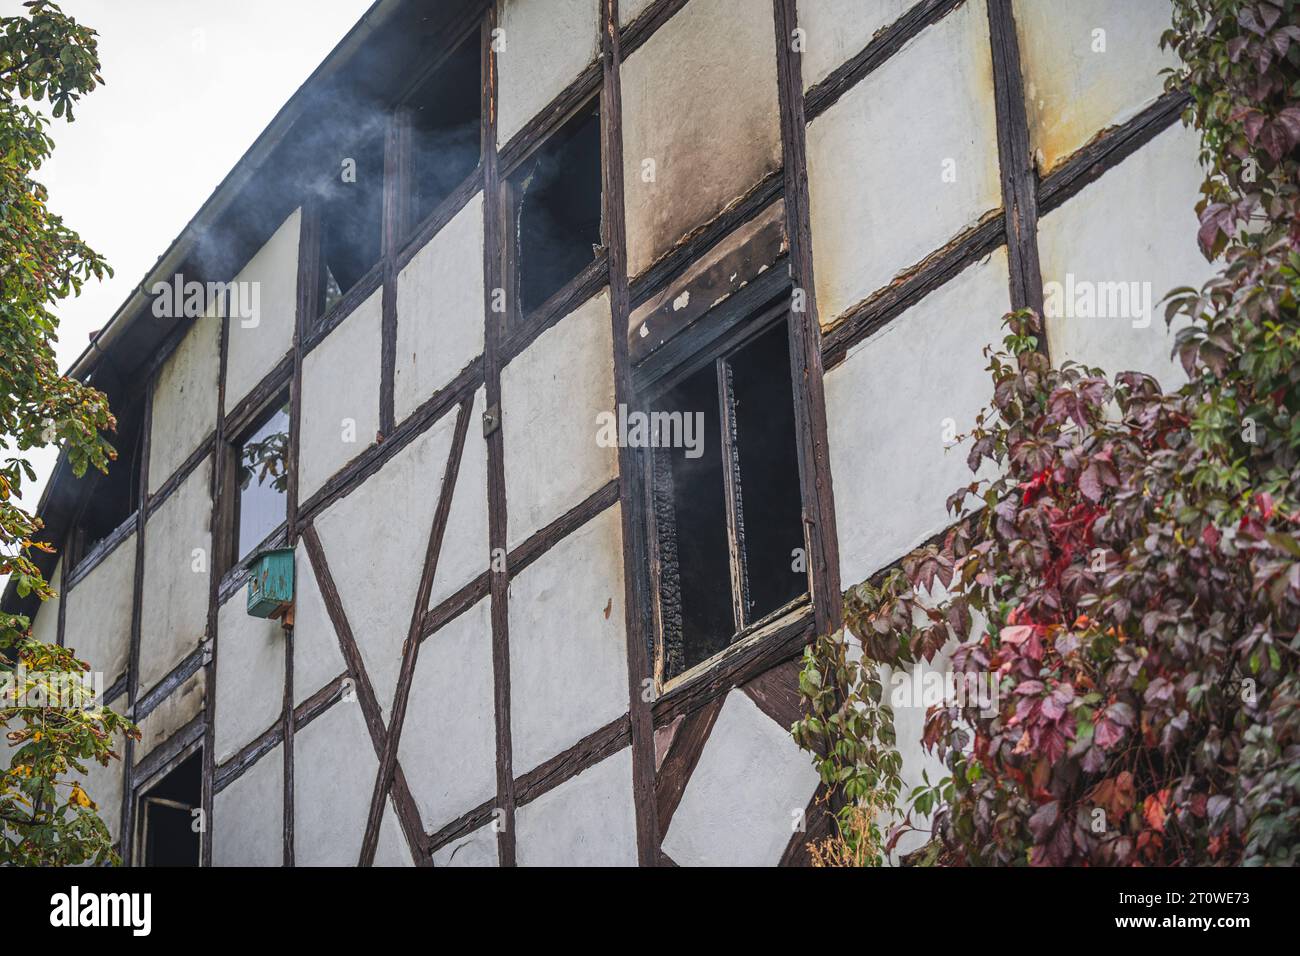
(334, 768)
(747, 795)
(550, 397)
(1136, 226)
(836, 30)
(317, 659)
(586, 821)
(171, 714)
(543, 46)
(1088, 65)
(340, 396)
(177, 559)
(248, 816)
(568, 650)
(185, 400)
(464, 554)
(904, 161)
(97, 623)
(894, 406)
(250, 676)
(448, 747)
(255, 347)
(440, 310)
(707, 149)
(375, 540)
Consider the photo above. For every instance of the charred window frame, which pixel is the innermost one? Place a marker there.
(554, 200)
(166, 834)
(726, 526)
(257, 474)
(113, 497)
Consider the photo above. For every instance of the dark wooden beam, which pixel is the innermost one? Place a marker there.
(807, 373)
(411, 647)
(631, 470)
(494, 332)
(1016, 162)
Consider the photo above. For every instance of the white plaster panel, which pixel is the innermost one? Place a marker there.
(185, 400)
(440, 310)
(171, 714)
(741, 803)
(1136, 224)
(464, 554)
(45, 623)
(334, 767)
(1088, 65)
(551, 395)
(709, 148)
(174, 615)
(392, 850)
(317, 659)
(340, 396)
(103, 784)
(248, 816)
(904, 161)
(547, 43)
(478, 848)
(250, 676)
(589, 820)
(837, 30)
(97, 623)
(568, 645)
(888, 405)
(257, 344)
(375, 540)
(448, 745)
(629, 10)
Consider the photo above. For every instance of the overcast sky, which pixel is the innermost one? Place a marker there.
(189, 84)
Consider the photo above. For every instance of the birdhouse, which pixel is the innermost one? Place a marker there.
(270, 582)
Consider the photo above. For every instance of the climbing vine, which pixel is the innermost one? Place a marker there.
(1129, 583)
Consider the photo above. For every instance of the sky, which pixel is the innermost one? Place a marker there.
(189, 85)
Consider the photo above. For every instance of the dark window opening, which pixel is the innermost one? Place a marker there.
(262, 477)
(115, 494)
(169, 829)
(445, 135)
(352, 217)
(727, 512)
(557, 209)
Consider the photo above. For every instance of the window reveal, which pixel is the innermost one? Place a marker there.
(727, 516)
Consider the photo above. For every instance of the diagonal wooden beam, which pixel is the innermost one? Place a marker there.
(411, 648)
(407, 813)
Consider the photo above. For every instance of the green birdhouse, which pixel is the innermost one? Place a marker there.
(270, 582)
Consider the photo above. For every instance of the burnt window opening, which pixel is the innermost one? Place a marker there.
(169, 830)
(556, 196)
(115, 495)
(352, 217)
(726, 504)
(260, 460)
(445, 131)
